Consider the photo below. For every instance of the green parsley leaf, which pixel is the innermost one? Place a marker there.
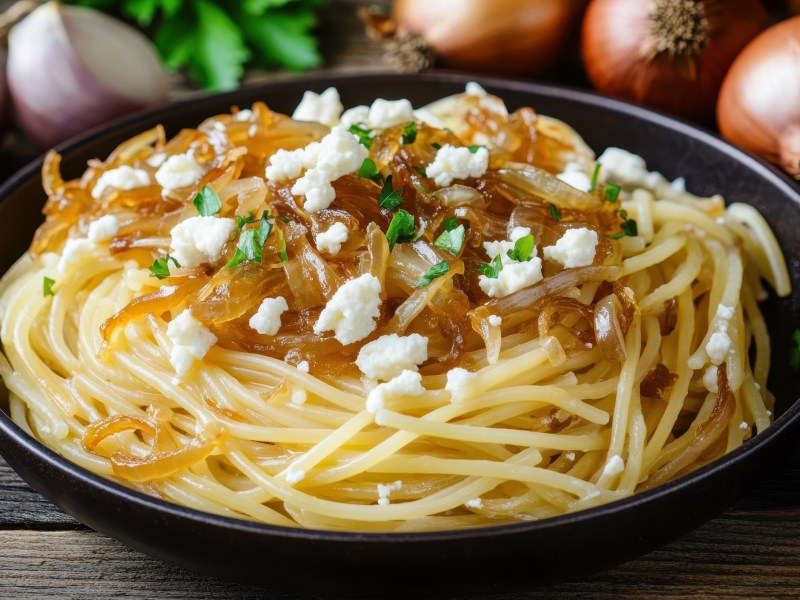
(629, 229)
(401, 228)
(450, 224)
(435, 271)
(523, 249)
(264, 229)
(282, 252)
(219, 53)
(612, 192)
(421, 171)
(160, 266)
(554, 212)
(238, 258)
(389, 198)
(248, 244)
(282, 35)
(794, 359)
(364, 135)
(595, 175)
(474, 149)
(47, 286)
(409, 133)
(207, 202)
(369, 170)
(493, 268)
(242, 221)
(451, 240)
(284, 218)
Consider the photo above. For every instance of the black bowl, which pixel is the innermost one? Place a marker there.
(502, 557)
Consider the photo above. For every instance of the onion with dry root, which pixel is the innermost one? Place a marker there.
(70, 68)
(759, 105)
(668, 54)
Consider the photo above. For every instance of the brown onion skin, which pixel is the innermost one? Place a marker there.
(759, 104)
(616, 49)
(501, 37)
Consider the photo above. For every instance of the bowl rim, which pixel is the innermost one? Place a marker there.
(789, 419)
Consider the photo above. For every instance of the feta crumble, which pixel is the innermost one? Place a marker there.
(495, 320)
(725, 312)
(408, 383)
(514, 275)
(386, 113)
(298, 396)
(199, 240)
(385, 490)
(390, 355)
(744, 426)
(710, 379)
(575, 175)
(76, 251)
(190, 340)
(358, 115)
(474, 503)
(179, 171)
(473, 88)
(576, 248)
(570, 456)
(718, 346)
(331, 240)
(323, 108)
(303, 366)
(352, 310)
(103, 229)
(453, 163)
(267, 319)
(123, 177)
(458, 383)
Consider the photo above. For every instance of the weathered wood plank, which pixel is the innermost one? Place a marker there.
(21, 507)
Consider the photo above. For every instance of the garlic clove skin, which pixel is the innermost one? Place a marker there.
(71, 68)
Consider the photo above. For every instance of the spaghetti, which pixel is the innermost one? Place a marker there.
(411, 320)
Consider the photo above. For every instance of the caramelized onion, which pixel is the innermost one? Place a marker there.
(657, 383)
(549, 188)
(608, 329)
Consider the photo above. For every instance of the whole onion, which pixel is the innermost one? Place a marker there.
(509, 37)
(668, 54)
(759, 104)
(70, 68)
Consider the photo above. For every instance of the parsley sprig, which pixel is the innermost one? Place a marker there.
(369, 170)
(47, 286)
(160, 266)
(523, 249)
(435, 271)
(207, 202)
(401, 229)
(451, 239)
(364, 135)
(492, 268)
(389, 198)
(409, 133)
(628, 226)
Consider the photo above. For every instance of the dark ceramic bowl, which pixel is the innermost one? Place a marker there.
(497, 558)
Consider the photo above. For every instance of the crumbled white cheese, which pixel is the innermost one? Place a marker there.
(352, 310)
(710, 379)
(744, 426)
(614, 466)
(76, 251)
(267, 319)
(243, 115)
(190, 340)
(123, 177)
(103, 229)
(718, 346)
(570, 456)
(323, 108)
(473, 88)
(331, 240)
(295, 475)
(386, 113)
(502, 247)
(514, 275)
(298, 396)
(458, 383)
(725, 312)
(384, 490)
(576, 248)
(199, 240)
(408, 383)
(358, 115)
(575, 175)
(474, 503)
(495, 320)
(453, 162)
(156, 159)
(390, 355)
(289, 164)
(630, 170)
(179, 171)
(303, 366)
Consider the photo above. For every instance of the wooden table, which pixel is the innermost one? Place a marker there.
(751, 551)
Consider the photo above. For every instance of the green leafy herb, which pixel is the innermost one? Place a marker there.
(264, 229)
(248, 248)
(628, 227)
(242, 221)
(554, 212)
(409, 133)
(215, 39)
(47, 286)
(612, 192)
(207, 202)
(450, 224)
(435, 271)
(160, 266)
(369, 170)
(595, 175)
(474, 149)
(389, 198)
(794, 359)
(364, 135)
(421, 171)
(284, 218)
(492, 269)
(523, 249)
(451, 240)
(282, 252)
(436, 145)
(401, 228)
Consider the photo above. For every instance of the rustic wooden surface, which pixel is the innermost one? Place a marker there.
(751, 551)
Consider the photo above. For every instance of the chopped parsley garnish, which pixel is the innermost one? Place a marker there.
(282, 252)
(628, 226)
(409, 133)
(421, 171)
(401, 228)
(389, 198)
(369, 170)
(554, 212)
(160, 266)
(451, 240)
(523, 249)
(474, 149)
(284, 218)
(48, 286)
(493, 268)
(595, 175)
(207, 202)
(612, 192)
(794, 359)
(436, 145)
(450, 224)
(242, 221)
(264, 228)
(364, 135)
(435, 271)
(248, 248)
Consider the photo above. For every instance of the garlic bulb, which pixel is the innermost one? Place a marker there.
(71, 68)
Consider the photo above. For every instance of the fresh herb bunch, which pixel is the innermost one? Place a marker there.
(215, 39)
